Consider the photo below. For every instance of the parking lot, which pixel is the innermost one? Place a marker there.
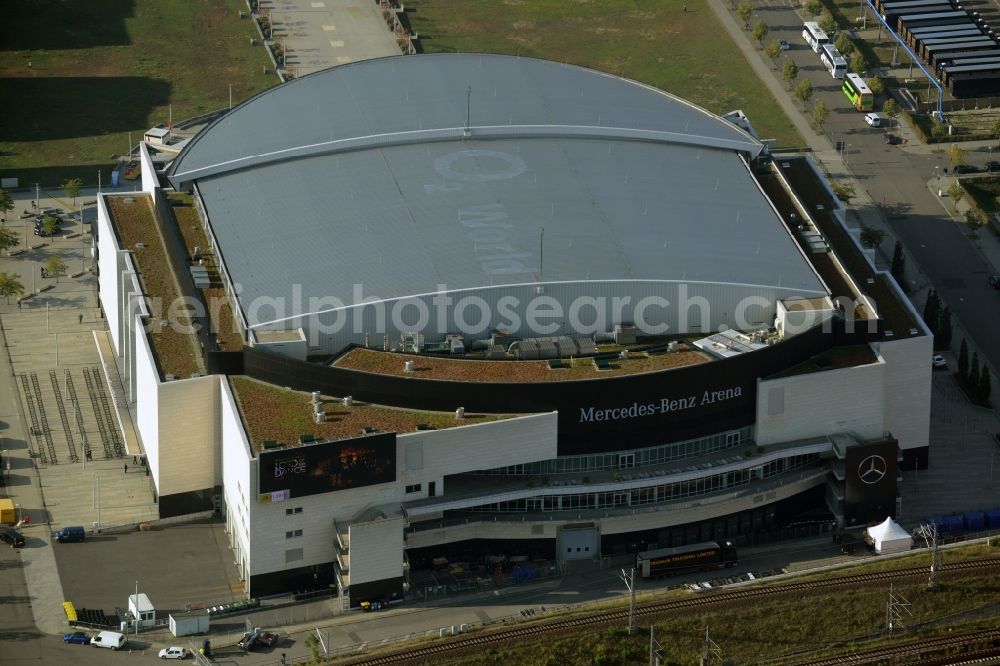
(174, 566)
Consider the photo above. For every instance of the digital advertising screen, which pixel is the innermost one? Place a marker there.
(311, 469)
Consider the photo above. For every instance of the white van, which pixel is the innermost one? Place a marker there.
(109, 639)
(873, 119)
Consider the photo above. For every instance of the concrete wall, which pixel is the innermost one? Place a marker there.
(376, 550)
(149, 180)
(820, 403)
(237, 487)
(907, 389)
(190, 429)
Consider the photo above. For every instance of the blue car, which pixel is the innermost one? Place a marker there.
(77, 637)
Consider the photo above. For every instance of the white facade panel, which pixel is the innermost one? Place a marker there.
(820, 403)
(109, 267)
(147, 410)
(236, 475)
(189, 432)
(908, 390)
(376, 550)
(474, 447)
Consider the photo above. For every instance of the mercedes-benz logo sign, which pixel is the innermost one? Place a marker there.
(872, 469)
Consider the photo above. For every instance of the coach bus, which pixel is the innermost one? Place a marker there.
(835, 63)
(858, 92)
(814, 37)
(696, 557)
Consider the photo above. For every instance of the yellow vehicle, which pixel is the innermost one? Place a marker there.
(8, 514)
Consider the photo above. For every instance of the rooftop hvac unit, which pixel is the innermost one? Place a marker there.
(408, 366)
(547, 349)
(586, 346)
(319, 417)
(460, 413)
(625, 334)
(348, 401)
(495, 352)
(317, 396)
(672, 346)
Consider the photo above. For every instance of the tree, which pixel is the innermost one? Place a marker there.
(814, 7)
(760, 32)
(55, 266)
(963, 359)
(956, 191)
(972, 380)
(745, 11)
(820, 114)
(844, 44)
(804, 91)
(8, 238)
(938, 129)
(826, 22)
(973, 219)
(956, 154)
(890, 108)
(6, 203)
(843, 190)
(877, 86)
(773, 51)
(858, 63)
(871, 237)
(10, 285)
(984, 385)
(789, 72)
(942, 340)
(50, 224)
(898, 269)
(932, 311)
(71, 188)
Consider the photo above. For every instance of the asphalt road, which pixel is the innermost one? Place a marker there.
(897, 180)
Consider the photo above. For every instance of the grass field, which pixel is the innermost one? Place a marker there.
(76, 77)
(653, 41)
(777, 631)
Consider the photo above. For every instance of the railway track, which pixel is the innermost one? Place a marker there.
(913, 651)
(663, 607)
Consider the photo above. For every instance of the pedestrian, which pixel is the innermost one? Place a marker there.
(19, 304)
(135, 461)
(80, 320)
(90, 456)
(126, 468)
(685, 7)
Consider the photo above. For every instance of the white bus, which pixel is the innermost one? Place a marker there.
(814, 37)
(835, 63)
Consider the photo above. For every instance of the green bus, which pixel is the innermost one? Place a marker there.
(858, 92)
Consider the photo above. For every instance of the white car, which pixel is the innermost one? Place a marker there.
(938, 361)
(173, 653)
(873, 119)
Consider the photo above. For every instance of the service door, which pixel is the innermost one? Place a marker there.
(576, 543)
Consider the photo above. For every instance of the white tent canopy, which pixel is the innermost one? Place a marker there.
(889, 537)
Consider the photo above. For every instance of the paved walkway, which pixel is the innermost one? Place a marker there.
(51, 373)
(320, 34)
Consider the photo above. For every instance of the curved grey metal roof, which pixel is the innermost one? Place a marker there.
(367, 174)
(404, 99)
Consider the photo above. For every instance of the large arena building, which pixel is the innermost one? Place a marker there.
(493, 306)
